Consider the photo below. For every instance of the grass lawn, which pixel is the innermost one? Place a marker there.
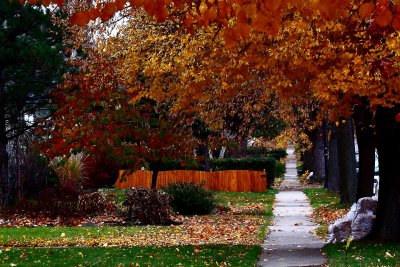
(327, 208)
(208, 255)
(223, 238)
(363, 254)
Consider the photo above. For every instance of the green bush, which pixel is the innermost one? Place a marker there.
(300, 168)
(171, 164)
(191, 198)
(279, 169)
(277, 153)
(147, 206)
(247, 163)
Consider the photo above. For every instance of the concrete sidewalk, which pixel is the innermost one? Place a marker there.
(290, 241)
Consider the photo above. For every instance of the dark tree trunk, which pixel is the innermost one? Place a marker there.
(387, 224)
(154, 176)
(347, 162)
(307, 159)
(333, 164)
(4, 172)
(155, 168)
(318, 154)
(19, 183)
(366, 150)
(204, 154)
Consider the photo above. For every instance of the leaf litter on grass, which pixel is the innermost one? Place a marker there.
(240, 225)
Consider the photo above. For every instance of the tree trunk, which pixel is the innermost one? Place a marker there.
(387, 224)
(19, 183)
(154, 176)
(4, 172)
(155, 168)
(307, 159)
(204, 154)
(366, 151)
(347, 162)
(333, 164)
(318, 154)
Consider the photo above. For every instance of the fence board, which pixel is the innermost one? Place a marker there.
(230, 180)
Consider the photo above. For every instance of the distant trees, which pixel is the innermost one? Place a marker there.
(31, 61)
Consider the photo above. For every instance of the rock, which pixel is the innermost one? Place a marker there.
(357, 223)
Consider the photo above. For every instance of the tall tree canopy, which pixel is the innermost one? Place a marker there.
(339, 52)
(31, 62)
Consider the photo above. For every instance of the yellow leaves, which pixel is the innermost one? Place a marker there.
(348, 242)
(388, 255)
(366, 10)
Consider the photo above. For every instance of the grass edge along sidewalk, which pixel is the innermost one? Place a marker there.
(359, 254)
(190, 255)
(207, 255)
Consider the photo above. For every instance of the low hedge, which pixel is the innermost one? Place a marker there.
(271, 165)
(277, 153)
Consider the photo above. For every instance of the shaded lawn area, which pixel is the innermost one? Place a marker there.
(225, 237)
(365, 253)
(208, 255)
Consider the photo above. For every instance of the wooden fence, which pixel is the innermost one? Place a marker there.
(231, 181)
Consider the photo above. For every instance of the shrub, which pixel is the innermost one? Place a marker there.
(247, 163)
(191, 198)
(52, 202)
(278, 170)
(70, 171)
(94, 203)
(147, 206)
(277, 153)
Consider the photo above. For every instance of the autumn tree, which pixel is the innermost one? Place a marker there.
(348, 50)
(95, 115)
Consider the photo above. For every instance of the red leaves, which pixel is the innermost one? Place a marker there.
(104, 12)
(384, 66)
(80, 18)
(384, 16)
(366, 10)
(397, 117)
